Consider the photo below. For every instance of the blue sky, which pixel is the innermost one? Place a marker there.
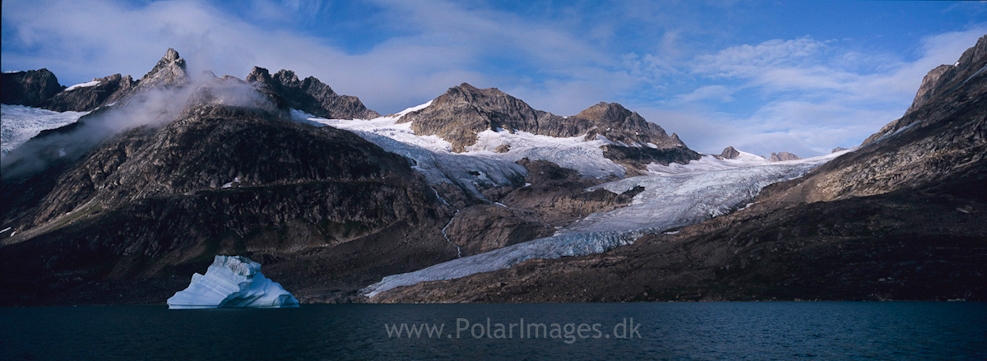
(763, 76)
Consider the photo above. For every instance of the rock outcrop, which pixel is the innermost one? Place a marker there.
(729, 153)
(30, 88)
(783, 156)
(310, 95)
(108, 90)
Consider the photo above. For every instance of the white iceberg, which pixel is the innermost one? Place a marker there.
(232, 281)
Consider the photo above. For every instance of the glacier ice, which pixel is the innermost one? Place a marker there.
(21, 123)
(674, 196)
(232, 281)
(430, 155)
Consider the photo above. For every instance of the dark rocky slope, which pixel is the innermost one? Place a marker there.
(130, 218)
(899, 218)
(328, 211)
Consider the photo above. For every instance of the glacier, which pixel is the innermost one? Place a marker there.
(21, 123)
(674, 196)
(232, 281)
(430, 155)
(481, 166)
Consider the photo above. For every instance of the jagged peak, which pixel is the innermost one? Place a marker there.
(258, 74)
(675, 138)
(285, 76)
(171, 55)
(610, 113)
(730, 153)
(170, 70)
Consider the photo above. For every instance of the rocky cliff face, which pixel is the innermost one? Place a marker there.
(897, 218)
(310, 95)
(31, 88)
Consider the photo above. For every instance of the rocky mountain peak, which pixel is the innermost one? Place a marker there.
(675, 139)
(783, 156)
(258, 75)
(490, 100)
(606, 112)
(169, 71)
(310, 95)
(30, 88)
(289, 78)
(730, 153)
(463, 111)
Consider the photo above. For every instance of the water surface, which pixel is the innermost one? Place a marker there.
(667, 331)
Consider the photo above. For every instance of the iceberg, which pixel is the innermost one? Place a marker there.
(232, 281)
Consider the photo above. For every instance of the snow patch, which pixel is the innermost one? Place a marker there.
(82, 85)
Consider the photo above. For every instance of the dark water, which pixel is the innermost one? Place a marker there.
(673, 331)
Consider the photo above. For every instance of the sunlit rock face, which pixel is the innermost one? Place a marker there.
(232, 281)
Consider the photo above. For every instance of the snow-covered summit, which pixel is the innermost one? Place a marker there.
(232, 281)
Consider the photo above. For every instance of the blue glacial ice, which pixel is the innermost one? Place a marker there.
(232, 281)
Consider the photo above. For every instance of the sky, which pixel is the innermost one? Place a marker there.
(762, 76)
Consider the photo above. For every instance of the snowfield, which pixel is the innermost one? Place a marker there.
(21, 123)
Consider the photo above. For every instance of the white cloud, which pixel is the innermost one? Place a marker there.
(819, 98)
(443, 44)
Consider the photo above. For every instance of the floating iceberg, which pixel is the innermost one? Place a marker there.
(232, 281)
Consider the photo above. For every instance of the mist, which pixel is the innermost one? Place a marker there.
(149, 107)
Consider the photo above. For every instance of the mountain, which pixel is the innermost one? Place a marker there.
(783, 156)
(105, 206)
(31, 88)
(91, 95)
(459, 115)
(730, 153)
(169, 171)
(310, 95)
(897, 218)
